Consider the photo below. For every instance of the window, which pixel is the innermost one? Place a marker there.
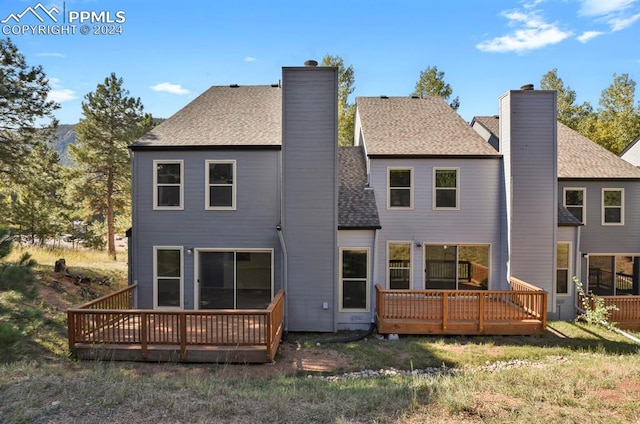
(221, 187)
(167, 181)
(456, 267)
(354, 284)
(574, 201)
(400, 185)
(168, 277)
(399, 255)
(234, 279)
(562, 268)
(445, 190)
(612, 206)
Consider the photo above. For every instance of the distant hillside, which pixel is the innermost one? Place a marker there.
(66, 135)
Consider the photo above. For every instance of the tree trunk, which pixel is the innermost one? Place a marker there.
(111, 242)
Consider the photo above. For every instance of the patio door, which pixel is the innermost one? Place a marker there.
(234, 279)
(456, 267)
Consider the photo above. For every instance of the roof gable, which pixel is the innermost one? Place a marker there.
(228, 116)
(416, 126)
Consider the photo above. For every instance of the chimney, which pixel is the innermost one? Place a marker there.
(527, 87)
(310, 63)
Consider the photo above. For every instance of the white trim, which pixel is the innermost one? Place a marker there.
(388, 268)
(367, 282)
(602, 206)
(435, 189)
(196, 267)
(155, 185)
(207, 185)
(389, 188)
(584, 201)
(570, 268)
(155, 277)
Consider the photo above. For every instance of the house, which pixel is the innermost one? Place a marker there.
(249, 220)
(631, 153)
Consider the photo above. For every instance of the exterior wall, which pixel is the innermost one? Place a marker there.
(608, 239)
(252, 225)
(309, 174)
(477, 221)
(359, 239)
(632, 154)
(528, 140)
(488, 136)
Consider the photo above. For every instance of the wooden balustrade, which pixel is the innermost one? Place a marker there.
(521, 311)
(89, 325)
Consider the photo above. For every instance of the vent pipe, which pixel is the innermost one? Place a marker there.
(310, 63)
(527, 87)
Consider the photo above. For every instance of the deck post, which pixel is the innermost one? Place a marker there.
(71, 331)
(445, 310)
(143, 334)
(543, 310)
(481, 313)
(183, 336)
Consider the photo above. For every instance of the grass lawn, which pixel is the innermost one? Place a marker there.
(574, 373)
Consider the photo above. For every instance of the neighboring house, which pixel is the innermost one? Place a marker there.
(244, 192)
(631, 153)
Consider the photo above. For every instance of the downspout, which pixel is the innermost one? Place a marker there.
(374, 274)
(285, 279)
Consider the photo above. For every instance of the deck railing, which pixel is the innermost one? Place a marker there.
(468, 310)
(625, 315)
(121, 326)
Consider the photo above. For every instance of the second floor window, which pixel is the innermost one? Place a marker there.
(400, 194)
(221, 185)
(574, 202)
(167, 180)
(612, 206)
(445, 190)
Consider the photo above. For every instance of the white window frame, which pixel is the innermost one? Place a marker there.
(569, 268)
(155, 185)
(435, 189)
(410, 188)
(621, 190)
(389, 268)
(584, 201)
(368, 281)
(207, 184)
(235, 251)
(156, 276)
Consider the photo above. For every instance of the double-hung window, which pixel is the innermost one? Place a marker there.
(612, 206)
(167, 182)
(400, 188)
(399, 254)
(168, 289)
(445, 188)
(354, 280)
(562, 268)
(574, 201)
(220, 185)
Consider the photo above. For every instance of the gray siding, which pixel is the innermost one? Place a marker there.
(608, 239)
(310, 196)
(477, 221)
(528, 139)
(252, 225)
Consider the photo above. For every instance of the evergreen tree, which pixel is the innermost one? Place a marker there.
(111, 121)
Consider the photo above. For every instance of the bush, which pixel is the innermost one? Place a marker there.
(595, 311)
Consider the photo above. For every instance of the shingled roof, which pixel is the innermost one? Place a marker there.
(417, 127)
(578, 157)
(356, 206)
(233, 116)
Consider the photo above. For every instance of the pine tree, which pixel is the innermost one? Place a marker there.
(346, 110)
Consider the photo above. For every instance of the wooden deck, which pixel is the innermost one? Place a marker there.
(626, 316)
(522, 310)
(109, 328)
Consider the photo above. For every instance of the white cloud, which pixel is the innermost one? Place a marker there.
(250, 59)
(167, 87)
(618, 24)
(61, 95)
(531, 33)
(603, 7)
(50, 55)
(589, 35)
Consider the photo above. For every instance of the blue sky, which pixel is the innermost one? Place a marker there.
(170, 52)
